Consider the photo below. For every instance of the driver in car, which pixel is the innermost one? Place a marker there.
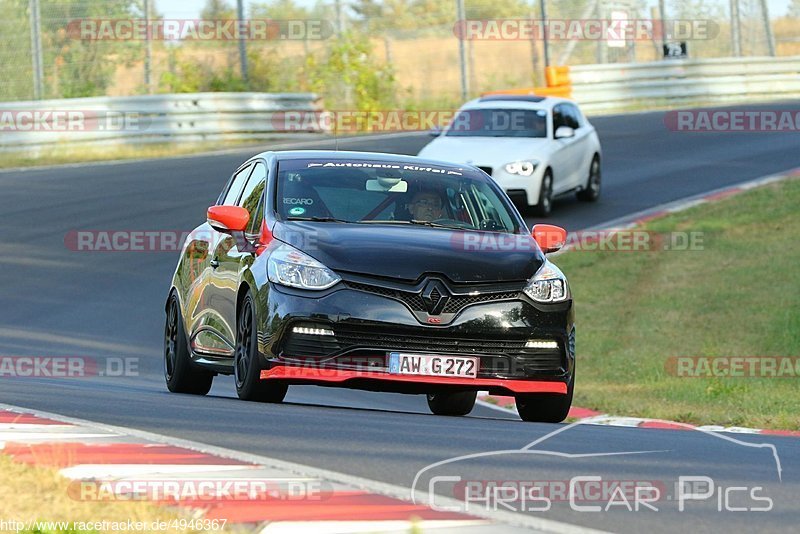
(425, 206)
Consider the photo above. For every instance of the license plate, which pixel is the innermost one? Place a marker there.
(429, 365)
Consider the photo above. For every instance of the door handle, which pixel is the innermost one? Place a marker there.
(214, 263)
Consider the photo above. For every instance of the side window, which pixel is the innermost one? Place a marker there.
(558, 118)
(251, 196)
(572, 116)
(493, 217)
(236, 185)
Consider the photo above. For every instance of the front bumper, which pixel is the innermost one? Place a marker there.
(383, 381)
(520, 187)
(366, 327)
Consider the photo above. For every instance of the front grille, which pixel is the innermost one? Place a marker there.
(459, 302)
(301, 345)
(487, 170)
(502, 357)
(429, 342)
(413, 300)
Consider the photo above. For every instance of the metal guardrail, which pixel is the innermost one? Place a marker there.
(152, 119)
(621, 86)
(253, 116)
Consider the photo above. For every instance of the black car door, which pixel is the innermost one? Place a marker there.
(211, 332)
(229, 259)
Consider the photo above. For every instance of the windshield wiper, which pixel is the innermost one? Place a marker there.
(419, 223)
(318, 219)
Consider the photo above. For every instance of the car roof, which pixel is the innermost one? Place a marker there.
(529, 101)
(348, 155)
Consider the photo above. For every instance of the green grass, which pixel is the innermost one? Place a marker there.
(30, 493)
(738, 296)
(61, 154)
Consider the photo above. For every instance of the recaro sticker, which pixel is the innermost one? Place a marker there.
(303, 201)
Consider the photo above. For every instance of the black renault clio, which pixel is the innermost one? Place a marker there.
(371, 271)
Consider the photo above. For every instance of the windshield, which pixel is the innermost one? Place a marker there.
(499, 123)
(373, 192)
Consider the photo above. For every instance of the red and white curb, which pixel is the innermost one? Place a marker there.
(106, 462)
(593, 417)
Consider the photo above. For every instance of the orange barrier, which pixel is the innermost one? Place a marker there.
(557, 76)
(558, 81)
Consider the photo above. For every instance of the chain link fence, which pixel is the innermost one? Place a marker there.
(359, 54)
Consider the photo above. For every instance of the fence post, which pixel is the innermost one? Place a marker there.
(768, 28)
(461, 15)
(736, 29)
(543, 9)
(242, 44)
(36, 49)
(148, 49)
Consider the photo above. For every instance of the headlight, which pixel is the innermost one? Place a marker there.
(290, 267)
(548, 285)
(522, 168)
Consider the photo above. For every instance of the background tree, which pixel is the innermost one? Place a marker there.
(75, 67)
(218, 10)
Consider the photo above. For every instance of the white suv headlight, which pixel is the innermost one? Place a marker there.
(521, 168)
(548, 284)
(290, 267)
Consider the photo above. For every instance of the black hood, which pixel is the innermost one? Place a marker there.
(407, 252)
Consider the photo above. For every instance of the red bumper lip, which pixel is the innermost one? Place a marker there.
(321, 375)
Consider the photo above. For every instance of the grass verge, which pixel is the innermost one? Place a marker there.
(62, 154)
(737, 296)
(40, 494)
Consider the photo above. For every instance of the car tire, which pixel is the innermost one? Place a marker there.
(545, 407)
(592, 190)
(449, 403)
(247, 363)
(181, 373)
(545, 204)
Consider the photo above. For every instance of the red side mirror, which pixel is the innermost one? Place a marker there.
(228, 218)
(549, 237)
